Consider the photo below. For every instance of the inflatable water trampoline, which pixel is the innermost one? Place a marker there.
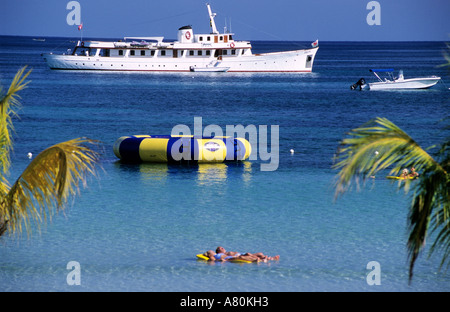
(173, 149)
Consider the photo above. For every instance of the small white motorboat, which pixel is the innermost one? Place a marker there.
(209, 69)
(400, 82)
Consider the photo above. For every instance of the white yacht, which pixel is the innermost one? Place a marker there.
(212, 52)
(400, 82)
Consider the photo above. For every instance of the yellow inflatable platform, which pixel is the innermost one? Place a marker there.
(167, 148)
(401, 178)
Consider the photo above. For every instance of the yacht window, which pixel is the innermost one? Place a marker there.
(225, 52)
(208, 38)
(152, 53)
(208, 52)
(199, 52)
(221, 38)
(233, 52)
(120, 52)
(143, 52)
(163, 52)
(191, 52)
(200, 38)
(230, 37)
(132, 52)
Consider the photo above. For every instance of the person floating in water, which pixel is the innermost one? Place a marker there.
(413, 174)
(409, 174)
(222, 255)
(405, 173)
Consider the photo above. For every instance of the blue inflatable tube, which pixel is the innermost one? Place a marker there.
(170, 149)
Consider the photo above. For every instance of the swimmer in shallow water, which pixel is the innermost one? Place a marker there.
(212, 256)
(404, 174)
(413, 174)
(222, 255)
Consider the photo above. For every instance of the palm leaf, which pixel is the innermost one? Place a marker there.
(9, 103)
(375, 146)
(46, 184)
(429, 213)
(356, 159)
(447, 57)
(440, 223)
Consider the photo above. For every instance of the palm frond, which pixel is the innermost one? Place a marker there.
(375, 146)
(9, 103)
(46, 184)
(429, 211)
(446, 57)
(440, 222)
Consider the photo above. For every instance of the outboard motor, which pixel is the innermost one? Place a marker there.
(360, 83)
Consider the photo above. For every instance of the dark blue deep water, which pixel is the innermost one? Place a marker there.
(139, 227)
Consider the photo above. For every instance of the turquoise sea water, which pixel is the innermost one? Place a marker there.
(139, 227)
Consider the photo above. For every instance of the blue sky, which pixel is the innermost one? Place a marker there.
(326, 20)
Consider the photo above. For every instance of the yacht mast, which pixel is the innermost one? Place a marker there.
(211, 20)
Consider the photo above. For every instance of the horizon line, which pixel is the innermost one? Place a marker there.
(352, 40)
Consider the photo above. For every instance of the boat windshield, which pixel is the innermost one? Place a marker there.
(389, 72)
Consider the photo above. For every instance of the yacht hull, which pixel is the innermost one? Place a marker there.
(290, 61)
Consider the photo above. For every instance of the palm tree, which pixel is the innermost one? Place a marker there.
(380, 144)
(49, 180)
(447, 57)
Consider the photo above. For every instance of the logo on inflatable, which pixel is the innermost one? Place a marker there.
(212, 146)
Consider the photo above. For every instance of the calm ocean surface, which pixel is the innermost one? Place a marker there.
(139, 227)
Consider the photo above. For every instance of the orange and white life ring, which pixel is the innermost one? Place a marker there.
(232, 44)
